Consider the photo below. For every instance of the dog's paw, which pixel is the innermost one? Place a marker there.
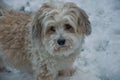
(67, 72)
(2, 69)
(45, 77)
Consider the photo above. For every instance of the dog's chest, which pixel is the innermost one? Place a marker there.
(60, 64)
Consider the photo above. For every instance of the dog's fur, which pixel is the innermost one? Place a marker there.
(30, 42)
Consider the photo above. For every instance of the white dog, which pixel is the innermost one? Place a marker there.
(46, 44)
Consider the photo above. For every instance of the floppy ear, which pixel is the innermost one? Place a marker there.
(84, 26)
(84, 23)
(36, 28)
(37, 21)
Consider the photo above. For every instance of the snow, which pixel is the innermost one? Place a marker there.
(100, 59)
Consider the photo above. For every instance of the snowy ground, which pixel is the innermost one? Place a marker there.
(100, 59)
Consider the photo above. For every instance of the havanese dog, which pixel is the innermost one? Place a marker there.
(45, 43)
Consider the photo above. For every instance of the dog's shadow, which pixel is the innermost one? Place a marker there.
(80, 75)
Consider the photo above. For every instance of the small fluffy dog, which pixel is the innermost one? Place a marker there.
(46, 43)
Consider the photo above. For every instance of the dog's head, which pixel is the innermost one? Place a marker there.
(60, 28)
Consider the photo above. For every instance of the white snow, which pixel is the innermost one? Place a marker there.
(100, 59)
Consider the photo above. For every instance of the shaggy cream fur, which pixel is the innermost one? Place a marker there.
(30, 42)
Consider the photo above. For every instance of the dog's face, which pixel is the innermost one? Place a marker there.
(60, 28)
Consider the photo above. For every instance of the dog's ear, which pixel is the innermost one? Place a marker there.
(36, 28)
(84, 25)
(83, 22)
(37, 21)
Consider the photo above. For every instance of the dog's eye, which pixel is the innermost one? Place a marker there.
(68, 26)
(52, 28)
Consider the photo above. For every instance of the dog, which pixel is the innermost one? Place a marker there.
(45, 43)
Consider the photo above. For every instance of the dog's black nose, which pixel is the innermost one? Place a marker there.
(61, 41)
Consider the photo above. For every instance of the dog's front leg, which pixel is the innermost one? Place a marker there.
(45, 74)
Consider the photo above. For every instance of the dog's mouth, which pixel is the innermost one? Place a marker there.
(61, 48)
